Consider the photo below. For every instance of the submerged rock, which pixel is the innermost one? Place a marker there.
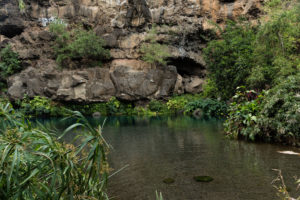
(168, 180)
(96, 115)
(205, 179)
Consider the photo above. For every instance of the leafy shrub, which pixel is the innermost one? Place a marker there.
(158, 106)
(177, 104)
(229, 60)
(280, 114)
(86, 44)
(154, 52)
(36, 165)
(9, 64)
(113, 106)
(276, 48)
(89, 109)
(77, 44)
(257, 57)
(243, 113)
(63, 36)
(209, 108)
(143, 111)
(273, 116)
(41, 106)
(210, 89)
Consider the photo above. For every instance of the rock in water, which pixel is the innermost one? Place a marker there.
(205, 179)
(289, 152)
(168, 180)
(96, 115)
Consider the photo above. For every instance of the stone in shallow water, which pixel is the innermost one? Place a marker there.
(168, 180)
(205, 179)
(96, 114)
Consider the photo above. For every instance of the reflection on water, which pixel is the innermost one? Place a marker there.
(182, 147)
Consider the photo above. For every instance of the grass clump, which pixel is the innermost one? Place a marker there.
(35, 164)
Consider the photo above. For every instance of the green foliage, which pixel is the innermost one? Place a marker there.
(22, 5)
(113, 106)
(185, 104)
(154, 52)
(59, 29)
(41, 106)
(35, 164)
(243, 113)
(89, 109)
(210, 89)
(209, 108)
(177, 104)
(273, 116)
(144, 111)
(229, 60)
(159, 196)
(9, 64)
(280, 115)
(86, 44)
(257, 57)
(158, 106)
(277, 44)
(77, 44)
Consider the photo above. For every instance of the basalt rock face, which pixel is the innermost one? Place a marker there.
(184, 25)
(128, 80)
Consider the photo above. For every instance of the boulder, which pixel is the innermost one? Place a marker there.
(136, 80)
(193, 84)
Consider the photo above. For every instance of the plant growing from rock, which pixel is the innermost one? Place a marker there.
(77, 44)
(9, 64)
(154, 52)
(22, 5)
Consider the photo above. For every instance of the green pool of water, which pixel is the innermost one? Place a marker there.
(181, 148)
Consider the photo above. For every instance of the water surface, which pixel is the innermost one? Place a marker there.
(181, 148)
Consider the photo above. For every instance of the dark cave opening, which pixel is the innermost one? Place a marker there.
(10, 30)
(187, 66)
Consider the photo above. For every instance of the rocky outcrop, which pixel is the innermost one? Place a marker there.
(128, 80)
(184, 25)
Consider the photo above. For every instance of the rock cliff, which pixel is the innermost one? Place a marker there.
(184, 25)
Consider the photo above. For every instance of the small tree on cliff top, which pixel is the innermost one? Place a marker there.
(154, 52)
